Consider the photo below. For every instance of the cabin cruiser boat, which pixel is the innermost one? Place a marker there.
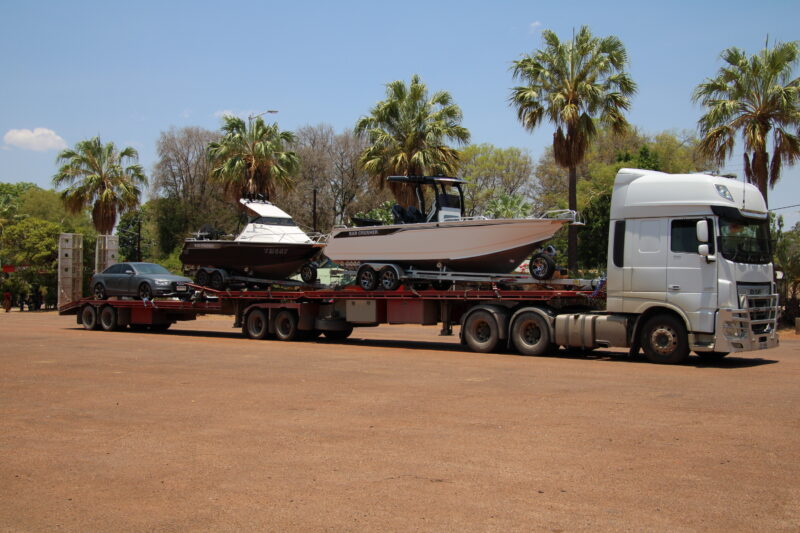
(271, 247)
(443, 239)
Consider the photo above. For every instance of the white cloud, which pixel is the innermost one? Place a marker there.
(224, 113)
(535, 26)
(39, 139)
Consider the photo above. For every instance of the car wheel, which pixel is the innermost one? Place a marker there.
(145, 292)
(100, 292)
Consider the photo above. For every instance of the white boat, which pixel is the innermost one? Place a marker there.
(444, 239)
(271, 246)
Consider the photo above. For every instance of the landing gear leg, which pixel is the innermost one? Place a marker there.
(447, 326)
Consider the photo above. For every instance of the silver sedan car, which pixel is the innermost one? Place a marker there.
(140, 280)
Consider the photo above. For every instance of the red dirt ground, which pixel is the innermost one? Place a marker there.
(397, 429)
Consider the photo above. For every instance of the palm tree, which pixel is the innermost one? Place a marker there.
(407, 133)
(572, 84)
(755, 96)
(251, 161)
(98, 175)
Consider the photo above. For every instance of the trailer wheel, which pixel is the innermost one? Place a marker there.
(542, 266)
(338, 335)
(89, 317)
(108, 318)
(308, 273)
(389, 278)
(286, 325)
(257, 324)
(367, 278)
(99, 292)
(202, 278)
(530, 334)
(664, 340)
(216, 282)
(481, 332)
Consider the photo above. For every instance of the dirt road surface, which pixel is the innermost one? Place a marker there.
(397, 429)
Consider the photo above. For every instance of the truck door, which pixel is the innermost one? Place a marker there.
(644, 273)
(691, 279)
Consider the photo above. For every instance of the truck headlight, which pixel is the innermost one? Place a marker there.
(729, 329)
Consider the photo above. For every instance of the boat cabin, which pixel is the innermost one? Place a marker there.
(447, 195)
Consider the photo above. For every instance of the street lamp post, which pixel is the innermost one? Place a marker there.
(256, 115)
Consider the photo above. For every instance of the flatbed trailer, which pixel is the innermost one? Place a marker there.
(489, 317)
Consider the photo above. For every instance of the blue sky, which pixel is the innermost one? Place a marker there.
(127, 71)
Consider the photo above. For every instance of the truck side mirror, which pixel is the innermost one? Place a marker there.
(702, 232)
(704, 252)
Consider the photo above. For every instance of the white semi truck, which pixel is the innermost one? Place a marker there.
(689, 269)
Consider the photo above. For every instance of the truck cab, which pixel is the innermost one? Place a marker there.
(689, 255)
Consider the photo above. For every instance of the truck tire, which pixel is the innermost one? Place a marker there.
(108, 318)
(542, 266)
(202, 277)
(481, 332)
(89, 317)
(389, 278)
(257, 324)
(664, 340)
(530, 334)
(286, 325)
(367, 278)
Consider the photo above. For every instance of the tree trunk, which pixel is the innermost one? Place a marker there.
(760, 169)
(572, 237)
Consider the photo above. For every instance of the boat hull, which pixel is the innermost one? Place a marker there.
(466, 246)
(262, 260)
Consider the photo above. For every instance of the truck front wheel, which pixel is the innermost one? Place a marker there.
(481, 332)
(665, 340)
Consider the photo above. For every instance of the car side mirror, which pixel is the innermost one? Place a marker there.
(702, 231)
(129, 272)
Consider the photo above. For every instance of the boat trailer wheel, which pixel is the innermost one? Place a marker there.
(389, 278)
(367, 278)
(308, 273)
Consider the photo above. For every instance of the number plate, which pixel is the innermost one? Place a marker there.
(180, 288)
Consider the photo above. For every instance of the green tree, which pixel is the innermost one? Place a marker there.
(98, 176)
(252, 160)
(492, 172)
(757, 97)
(572, 84)
(408, 134)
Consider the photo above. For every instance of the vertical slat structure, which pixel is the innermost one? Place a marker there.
(106, 252)
(70, 268)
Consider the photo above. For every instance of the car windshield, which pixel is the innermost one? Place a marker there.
(149, 268)
(745, 241)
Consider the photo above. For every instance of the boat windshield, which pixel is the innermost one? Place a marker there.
(745, 241)
(273, 221)
(149, 268)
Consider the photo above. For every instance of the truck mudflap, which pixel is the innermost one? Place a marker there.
(752, 327)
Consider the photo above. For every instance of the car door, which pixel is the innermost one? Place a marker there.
(111, 278)
(129, 280)
(691, 278)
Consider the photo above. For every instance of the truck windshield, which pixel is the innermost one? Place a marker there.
(745, 242)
